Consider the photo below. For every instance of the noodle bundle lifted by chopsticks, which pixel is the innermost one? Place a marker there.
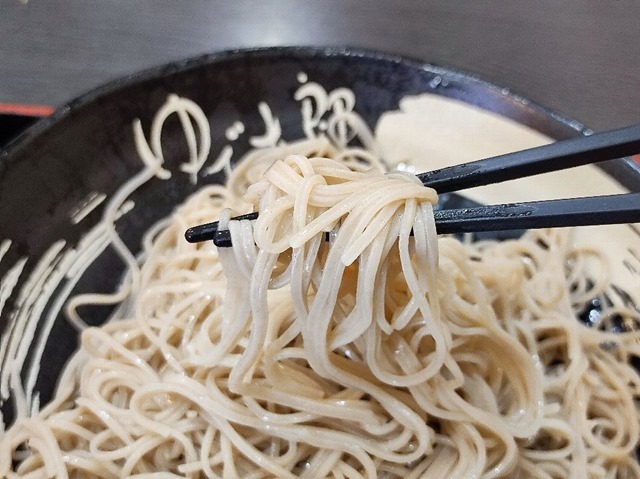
(384, 352)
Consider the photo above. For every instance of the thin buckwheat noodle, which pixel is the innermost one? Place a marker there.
(384, 352)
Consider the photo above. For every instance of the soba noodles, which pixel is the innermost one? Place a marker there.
(384, 352)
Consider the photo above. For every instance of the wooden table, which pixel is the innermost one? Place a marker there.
(581, 58)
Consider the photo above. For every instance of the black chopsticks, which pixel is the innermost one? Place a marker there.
(557, 156)
(561, 155)
(595, 210)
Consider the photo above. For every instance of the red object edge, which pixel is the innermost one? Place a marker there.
(26, 110)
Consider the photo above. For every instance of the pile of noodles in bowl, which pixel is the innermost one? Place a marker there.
(384, 351)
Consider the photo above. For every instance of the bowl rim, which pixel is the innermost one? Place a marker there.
(67, 109)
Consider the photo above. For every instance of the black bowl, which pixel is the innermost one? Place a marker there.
(87, 147)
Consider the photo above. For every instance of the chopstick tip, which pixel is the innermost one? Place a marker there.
(197, 234)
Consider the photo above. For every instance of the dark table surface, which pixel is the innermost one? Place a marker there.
(581, 58)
